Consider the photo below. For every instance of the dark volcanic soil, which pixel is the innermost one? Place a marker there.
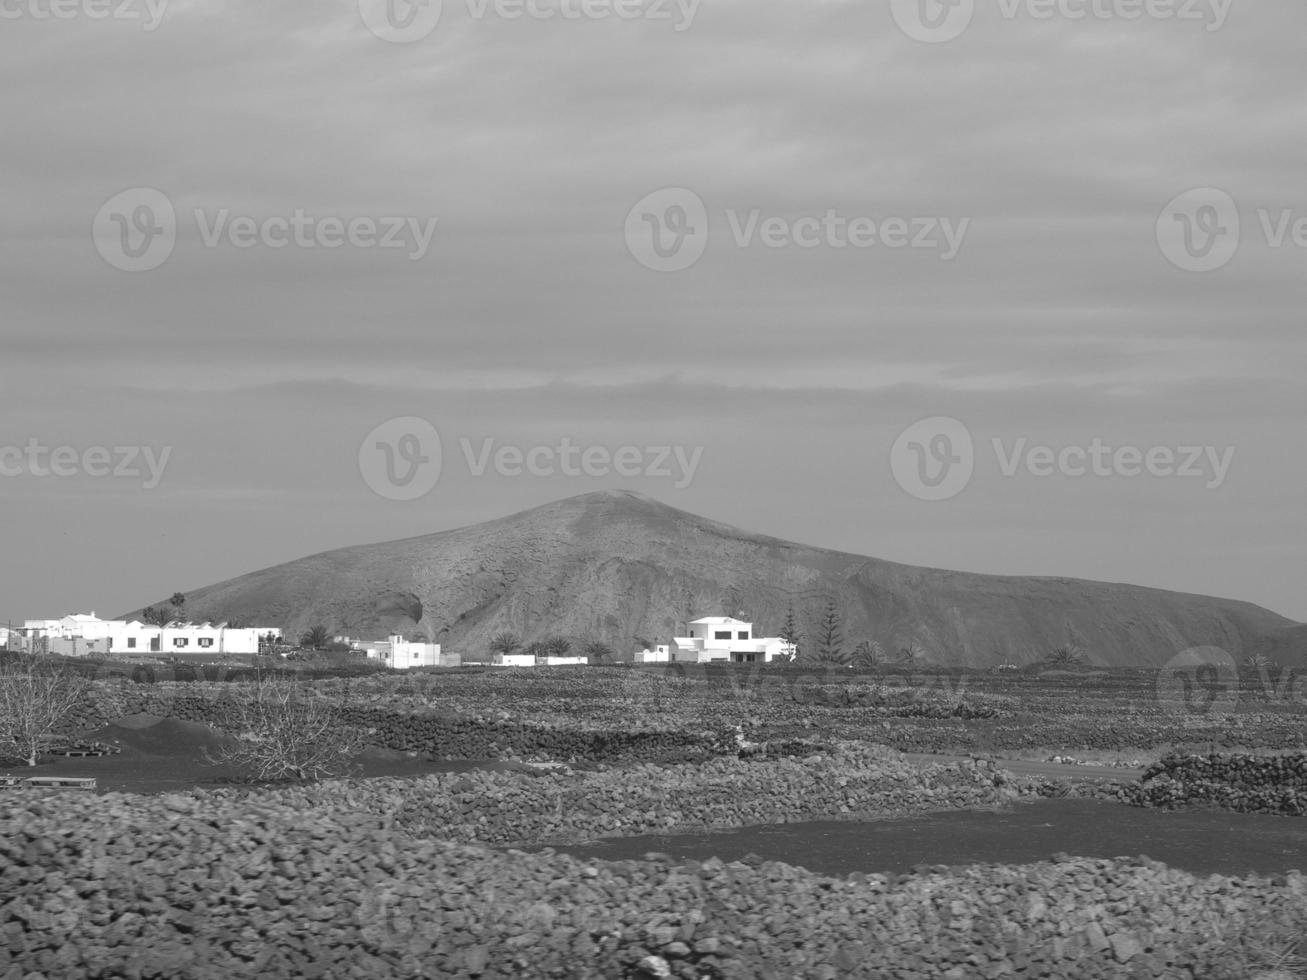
(166, 755)
(1199, 841)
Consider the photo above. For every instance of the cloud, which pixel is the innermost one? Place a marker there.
(529, 141)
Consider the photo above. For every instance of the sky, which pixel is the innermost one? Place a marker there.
(1007, 286)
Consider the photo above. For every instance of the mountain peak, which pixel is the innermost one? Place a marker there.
(615, 564)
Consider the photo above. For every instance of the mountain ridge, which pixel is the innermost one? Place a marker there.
(615, 565)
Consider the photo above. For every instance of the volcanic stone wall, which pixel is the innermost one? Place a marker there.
(1235, 781)
(442, 736)
(518, 808)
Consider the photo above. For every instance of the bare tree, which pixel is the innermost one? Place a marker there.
(36, 697)
(868, 654)
(156, 616)
(912, 655)
(286, 730)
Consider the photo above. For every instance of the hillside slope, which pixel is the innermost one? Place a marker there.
(616, 565)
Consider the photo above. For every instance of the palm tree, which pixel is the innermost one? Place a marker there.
(315, 638)
(557, 646)
(504, 644)
(178, 602)
(535, 649)
(1065, 656)
(598, 651)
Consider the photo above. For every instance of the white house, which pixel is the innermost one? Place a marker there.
(514, 660)
(81, 635)
(721, 639)
(82, 626)
(398, 653)
(660, 654)
(182, 639)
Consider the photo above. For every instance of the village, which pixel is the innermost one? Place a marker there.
(711, 639)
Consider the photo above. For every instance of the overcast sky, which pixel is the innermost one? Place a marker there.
(1059, 312)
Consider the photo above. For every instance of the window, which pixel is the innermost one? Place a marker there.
(180, 641)
(722, 635)
(206, 642)
(131, 643)
(416, 655)
(742, 635)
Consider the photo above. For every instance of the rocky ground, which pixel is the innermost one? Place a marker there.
(210, 887)
(394, 877)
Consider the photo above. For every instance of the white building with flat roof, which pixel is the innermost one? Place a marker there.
(83, 634)
(398, 653)
(720, 639)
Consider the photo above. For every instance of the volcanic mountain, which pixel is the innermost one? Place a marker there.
(616, 566)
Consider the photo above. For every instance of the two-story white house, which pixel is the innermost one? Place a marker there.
(719, 639)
